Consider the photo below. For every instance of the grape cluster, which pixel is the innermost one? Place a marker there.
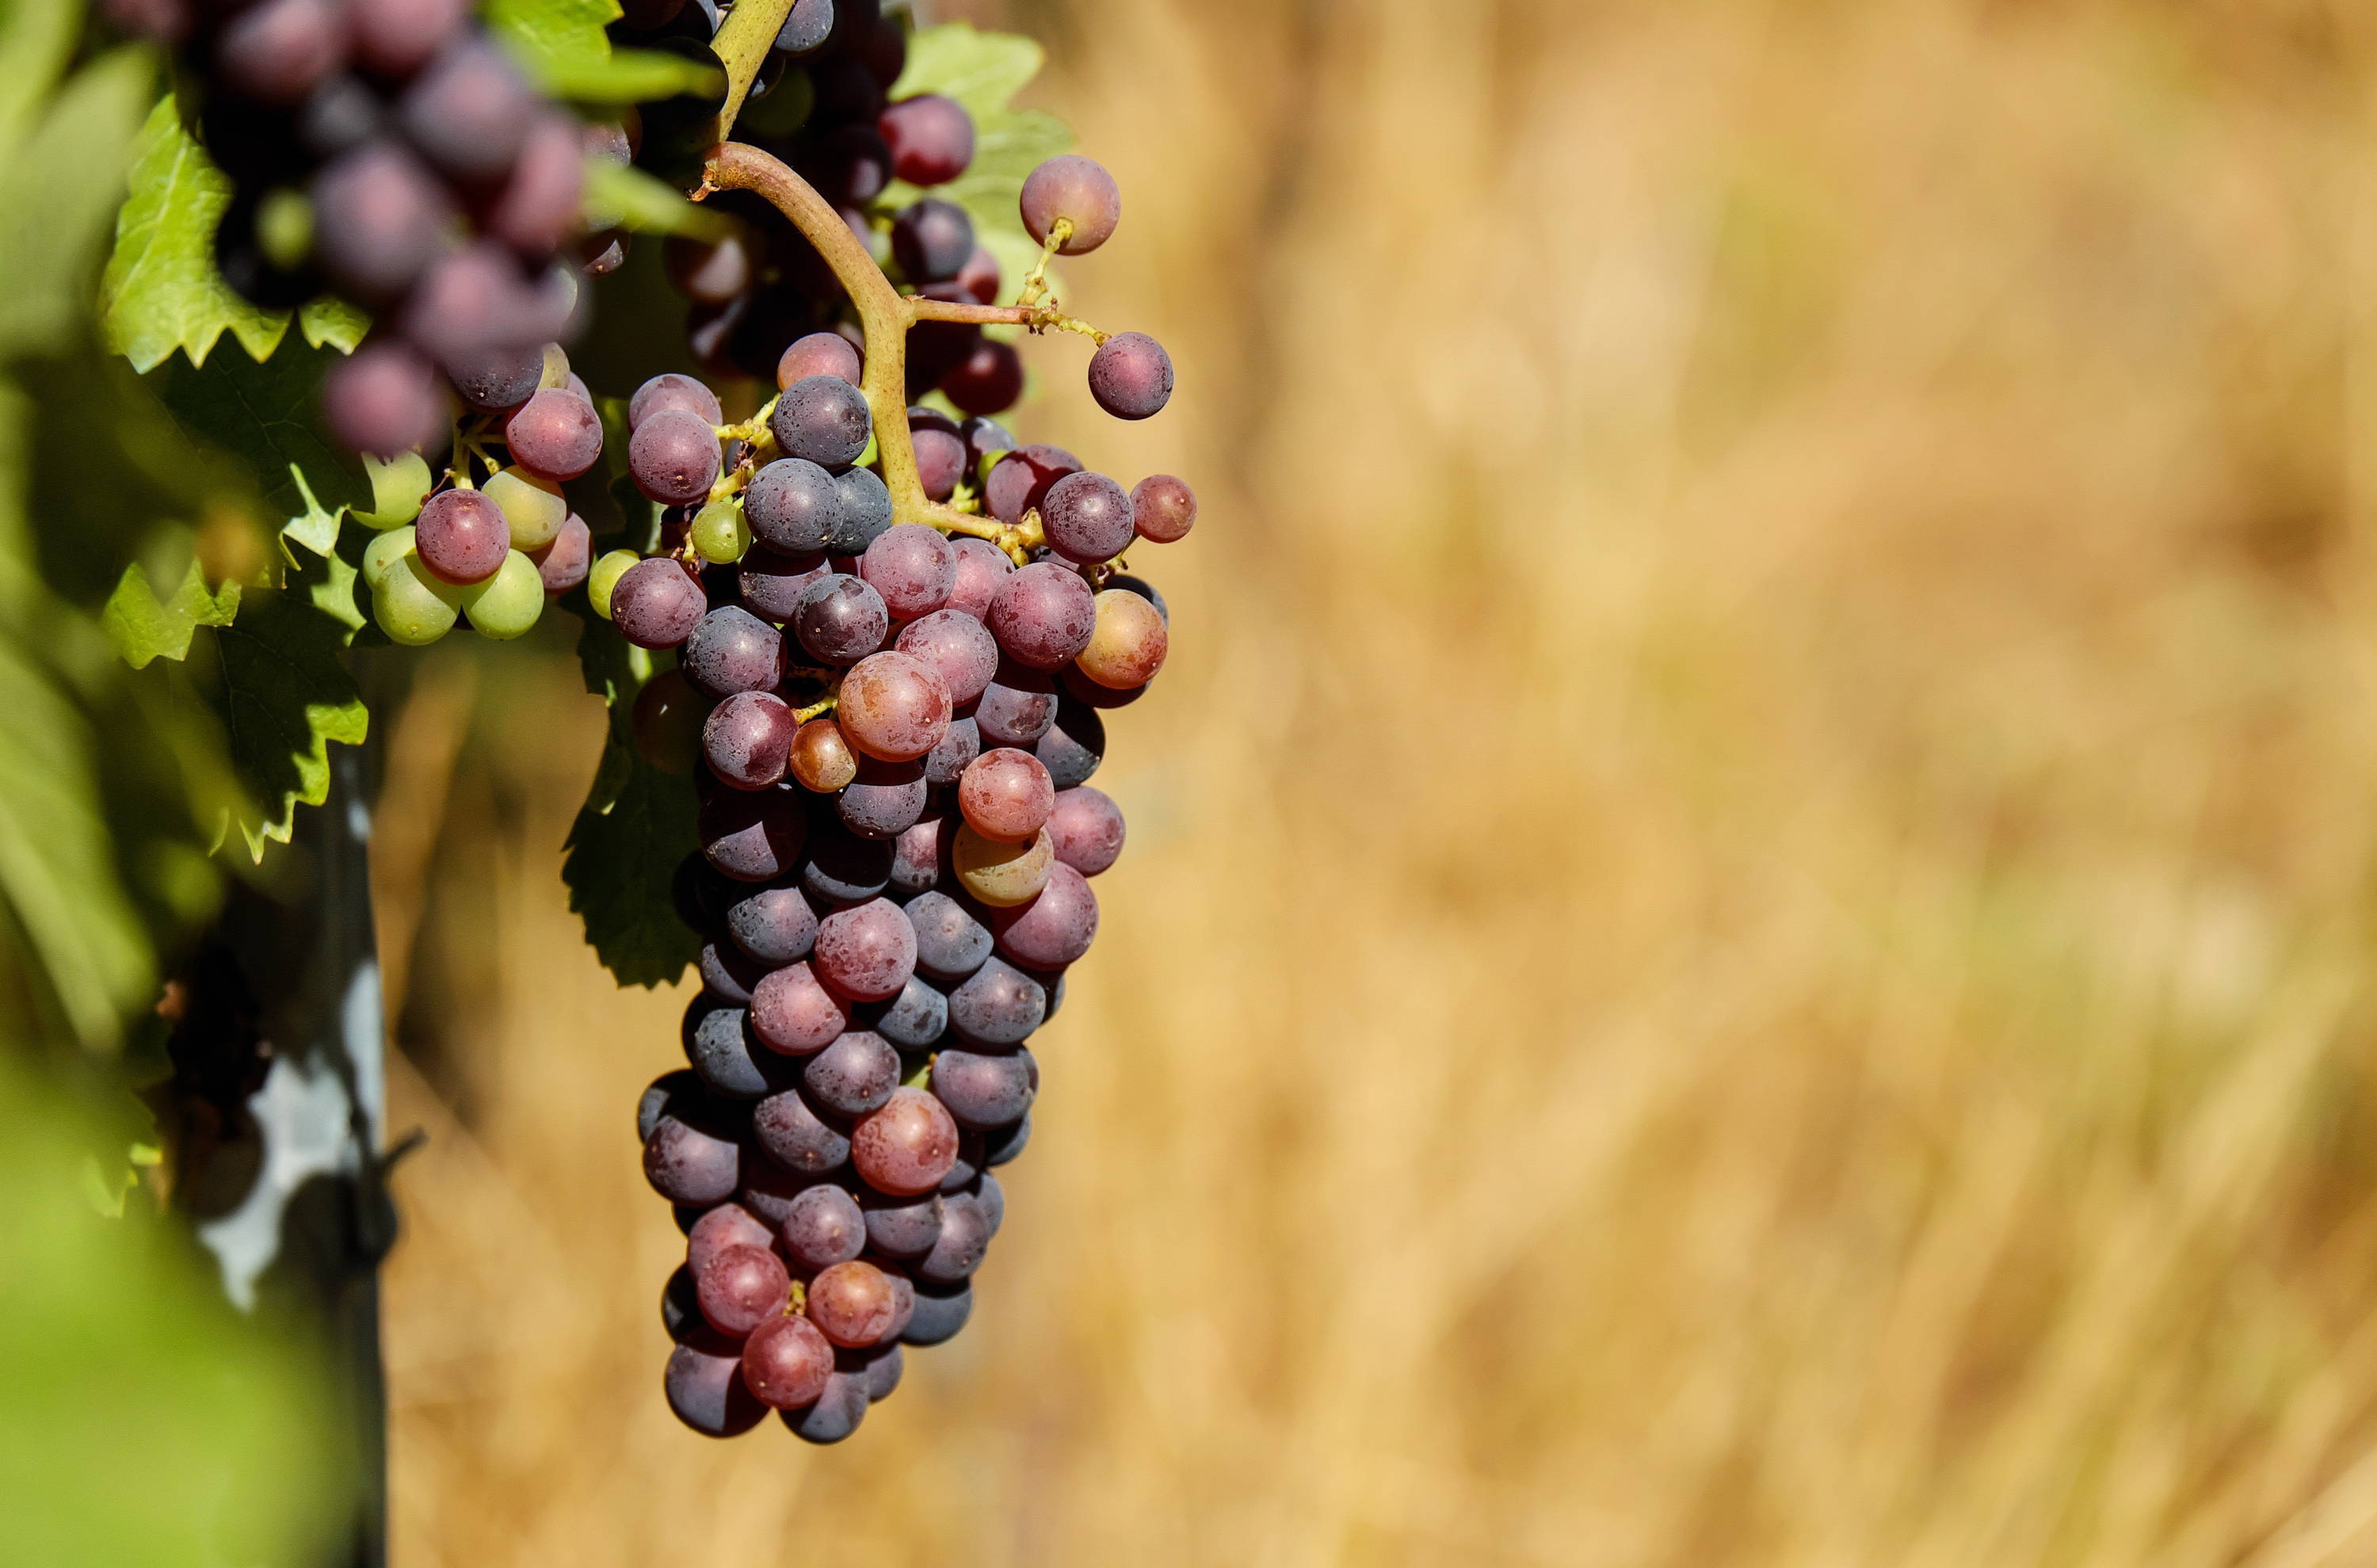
(498, 550)
(388, 150)
(893, 729)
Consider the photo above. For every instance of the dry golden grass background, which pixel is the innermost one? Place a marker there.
(1744, 930)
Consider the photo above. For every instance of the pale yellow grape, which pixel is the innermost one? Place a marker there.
(413, 606)
(531, 507)
(507, 604)
(605, 576)
(399, 486)
(556, 369)
(384, 552)
(1002, 875)
(718, 532)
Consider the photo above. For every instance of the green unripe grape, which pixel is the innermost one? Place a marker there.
(718, 532)
(607, 573)
(533, 507)
(382, 554)
(413, 606)
(507, 604)
(869, 453)
(399, 486)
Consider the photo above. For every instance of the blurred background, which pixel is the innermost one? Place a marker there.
(1744, 933)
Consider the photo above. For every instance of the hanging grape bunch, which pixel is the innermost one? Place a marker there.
(894, 638)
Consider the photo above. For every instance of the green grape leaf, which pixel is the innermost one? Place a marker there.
(981, 70)
(627, 76)
(544, 34)
(284, 697)
(56, 191)
(144, 627)
(312, 525)
(636, 826)
(267, 415)
(629, 198)
(161, 291)
(329, 581)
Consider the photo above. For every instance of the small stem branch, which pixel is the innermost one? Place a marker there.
(882, 314)
(743, 41)
(1038, 281)
(819, 709)
(1037, 317)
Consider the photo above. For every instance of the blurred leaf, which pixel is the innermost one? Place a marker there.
(637, 827)
(36, 39)
(145, 627)
(161, 291)
(284, 697)
(629, 75)
(142, 1422)
(981, 70)
(331, 322)
(56, 194)
(629, 198)
(268, 414)
(58, 868)
(546, 34)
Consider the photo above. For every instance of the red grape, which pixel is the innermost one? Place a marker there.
(1070, 185)
(893, 707)
(1086, 828)
(1006, 794)
(742, 1287)
(867, 953)
(461, 535)
(792, 1013)
(787, 1362)
(1162, 509)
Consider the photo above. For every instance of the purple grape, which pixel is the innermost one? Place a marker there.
(670, 389)
(805, 28)
(728, 1225)
(983, 1090)
(656, 604)
(1070, 185)
(1086, 827)
(1043, 617)
(279, 51)
(959, 1245)
(841, 619)
(383, 400)
(556, 433)
(496, 378)
(901, 1228)
(1071, 748)
(728, 974)
(958, 749)
(469, 110)
(1017, 708)
(773, 925)
(795, 1137)
(1162, 509)
(773, 584)
(930, 137)
(998, 1004)
(395, 38)
(1002, 1145)
(707, 1393)
(461, 535)
(718, 1043)
(940, 462)
(981, 567)
(823, 1227)
(679, 1088)
(672, 457)
(1130, 376)
(916, 854)
(539, 206)
(989, 1194)
(748, 740)
(732, 650)
(865, 511)
(1087, 517)
(932, 240)
(710, 271)
(379, 220)
(983, 436)
(822, 418)
(1019, 480)
(912, 567)
(1057, 928)
(853, 1075)
(866, 952)
(850, 167)
(915, 1018)
(753, 837)
(566, 558)
(686, 1164)
(843, 868)
(941, 1311)
(950, 943)
(989, 380)
(838, 1410)
(885, 800)
(819, 354)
